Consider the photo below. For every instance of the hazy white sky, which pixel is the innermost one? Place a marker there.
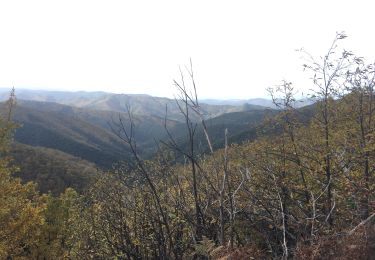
(238, 48)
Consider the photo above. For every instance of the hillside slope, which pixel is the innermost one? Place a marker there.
(147, 129)
(69, 134)
(241, 126)
(52, 170)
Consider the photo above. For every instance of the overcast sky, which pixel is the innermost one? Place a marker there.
(238, 48)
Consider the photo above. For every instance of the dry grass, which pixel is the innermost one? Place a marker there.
(248, 252)
(357, 245)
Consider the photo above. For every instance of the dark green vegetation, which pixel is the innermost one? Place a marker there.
(241, 126)
(263, 184)
(68, 133)
(52, 170)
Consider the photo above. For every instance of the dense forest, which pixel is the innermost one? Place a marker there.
(290, 183)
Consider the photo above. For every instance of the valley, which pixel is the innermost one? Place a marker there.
(87, 130)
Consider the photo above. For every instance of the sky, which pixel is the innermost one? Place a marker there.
(238, 48)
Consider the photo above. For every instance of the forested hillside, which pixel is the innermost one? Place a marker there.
(92, 134)
(69, 134)
(52, 170)
(291, 183)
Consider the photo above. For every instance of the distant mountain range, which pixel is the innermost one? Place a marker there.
(254, 101)
(83, 119)
(56, 125)
(78, 99)
(117, 102)
(140, 104)
(79, 123)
